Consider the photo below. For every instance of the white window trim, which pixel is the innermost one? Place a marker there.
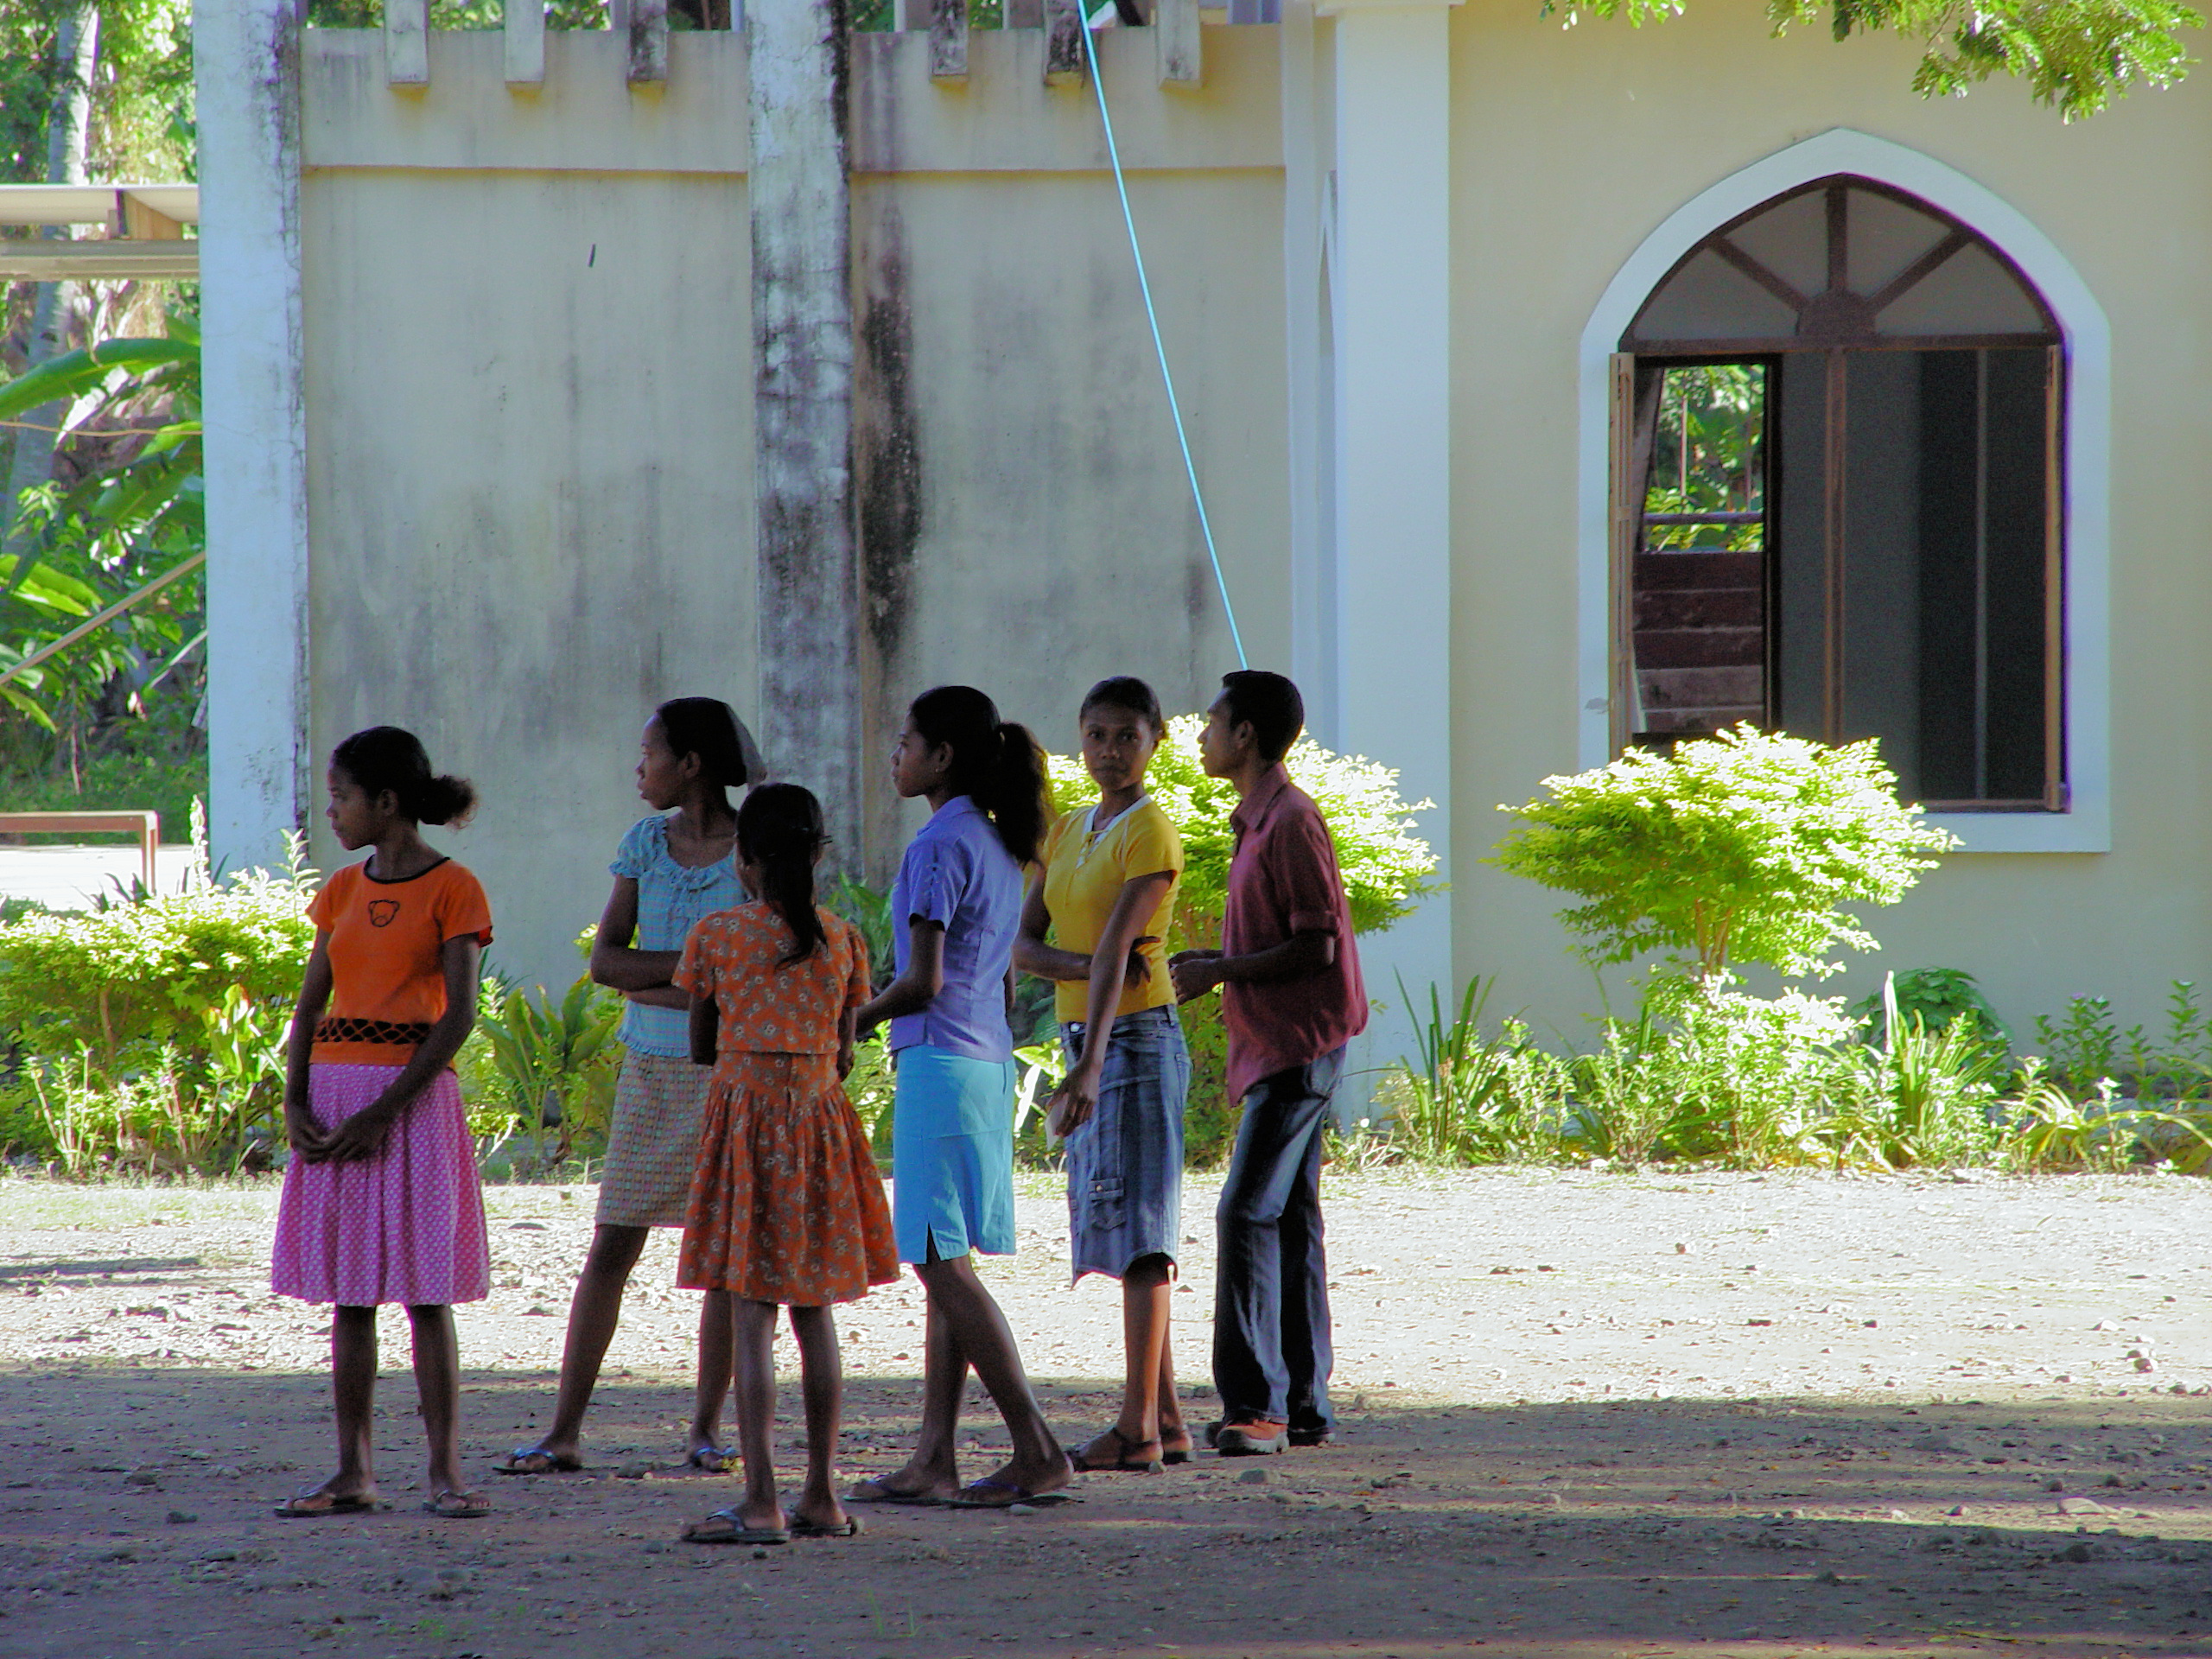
(2085, 825)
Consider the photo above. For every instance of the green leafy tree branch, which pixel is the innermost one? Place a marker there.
(2076, 55)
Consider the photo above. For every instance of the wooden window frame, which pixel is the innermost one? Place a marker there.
(1836, 323)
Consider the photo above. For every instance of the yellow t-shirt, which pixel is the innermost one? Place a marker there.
(1084, 876)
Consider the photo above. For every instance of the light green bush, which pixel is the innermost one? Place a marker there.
(1739, 847)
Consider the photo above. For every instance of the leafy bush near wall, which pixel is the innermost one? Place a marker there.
(1742, 848)
(149, 1031)
(1755, 1083)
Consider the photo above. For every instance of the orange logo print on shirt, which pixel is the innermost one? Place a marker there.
(381, 910)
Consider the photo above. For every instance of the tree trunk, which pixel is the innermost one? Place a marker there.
(68, 124)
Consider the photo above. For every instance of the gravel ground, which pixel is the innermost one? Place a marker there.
(1583, 1415)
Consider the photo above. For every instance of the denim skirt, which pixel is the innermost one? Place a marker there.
(1125, 1162)
(951, 1154)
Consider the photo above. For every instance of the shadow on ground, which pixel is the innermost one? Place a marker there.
(135, 1518)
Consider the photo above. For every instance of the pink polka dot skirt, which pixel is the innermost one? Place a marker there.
(405, 1226)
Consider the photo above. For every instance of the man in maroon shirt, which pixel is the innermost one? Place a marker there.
(1291, 999)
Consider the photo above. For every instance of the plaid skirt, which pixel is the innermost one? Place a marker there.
(652, 1144)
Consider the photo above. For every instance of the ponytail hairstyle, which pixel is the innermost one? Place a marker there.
(385, 758)
(708, 728)
(995, 761)
(779, 830)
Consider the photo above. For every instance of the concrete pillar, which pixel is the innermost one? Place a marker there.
(246, 71)
(810, 629)
(1386, 569)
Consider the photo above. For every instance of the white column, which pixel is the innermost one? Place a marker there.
(1308, 159)
(246, 71)
(1389, 274)
(808, 558)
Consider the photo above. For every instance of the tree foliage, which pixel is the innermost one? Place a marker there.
(134, 514)
(142, 91)
(2076, 55)
(1743, 847)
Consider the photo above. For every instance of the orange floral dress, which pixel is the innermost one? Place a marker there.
(787, 1202)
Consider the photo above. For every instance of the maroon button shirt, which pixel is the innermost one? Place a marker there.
(1283, 880)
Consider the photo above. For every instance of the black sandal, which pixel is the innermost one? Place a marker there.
(1123, 1465)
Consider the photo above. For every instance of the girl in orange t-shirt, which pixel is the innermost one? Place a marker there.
(382, 1201)
(787, 1206)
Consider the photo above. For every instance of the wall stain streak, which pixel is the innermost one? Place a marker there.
(887, 474)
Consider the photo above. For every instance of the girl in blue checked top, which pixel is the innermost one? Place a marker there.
(672, 869)
(956, 907)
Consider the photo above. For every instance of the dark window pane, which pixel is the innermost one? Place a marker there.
(2017, 438)
(1950, 420)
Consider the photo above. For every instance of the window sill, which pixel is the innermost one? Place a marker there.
(2080, 830)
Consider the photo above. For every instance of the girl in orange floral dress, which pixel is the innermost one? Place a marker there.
(787, 1207)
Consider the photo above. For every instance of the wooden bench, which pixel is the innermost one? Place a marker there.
(147, 826)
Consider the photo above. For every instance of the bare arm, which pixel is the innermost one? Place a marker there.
(362, 1136)
(634, 973)
(918, 985)
(299, 1126)
(1299, 957)
(1031, 954)
(1112, 966)
(706, 1028)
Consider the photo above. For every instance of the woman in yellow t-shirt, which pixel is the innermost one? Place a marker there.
(1096, 922)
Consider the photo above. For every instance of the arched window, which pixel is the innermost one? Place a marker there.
(1837, 465)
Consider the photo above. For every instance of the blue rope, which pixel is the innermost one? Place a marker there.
(1151, 316)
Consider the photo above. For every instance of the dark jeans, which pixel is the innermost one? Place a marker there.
(1271, 1354)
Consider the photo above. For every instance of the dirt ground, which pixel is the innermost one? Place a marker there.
(1583, 1415)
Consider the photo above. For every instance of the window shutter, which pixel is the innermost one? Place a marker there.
(2054, 580)
(1627, 519)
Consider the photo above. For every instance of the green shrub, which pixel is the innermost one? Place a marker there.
(1469, 1099)
(135, 975)
(1739, 847)
(545, 1065)
(149, 1030)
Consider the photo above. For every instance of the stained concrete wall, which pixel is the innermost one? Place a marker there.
(529, 409)
(1569, 149)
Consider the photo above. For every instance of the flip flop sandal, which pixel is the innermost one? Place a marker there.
(536, 1460)
(315, 1504)
(802, 1528)
(874, 1491)
(713, 1459)
(737, 1532)
(1172, 1452)
(988, 1494)
(449, 1505)
(1123, 1463)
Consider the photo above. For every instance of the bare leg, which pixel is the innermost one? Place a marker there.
(717, 1349)
(353, 1398)
(1174, 1433)
(755, 1326)
(1149, 1403)
(823, 1370)
(593, 1312)
(437, 1387)
(934, 1468)
(978, 1329)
